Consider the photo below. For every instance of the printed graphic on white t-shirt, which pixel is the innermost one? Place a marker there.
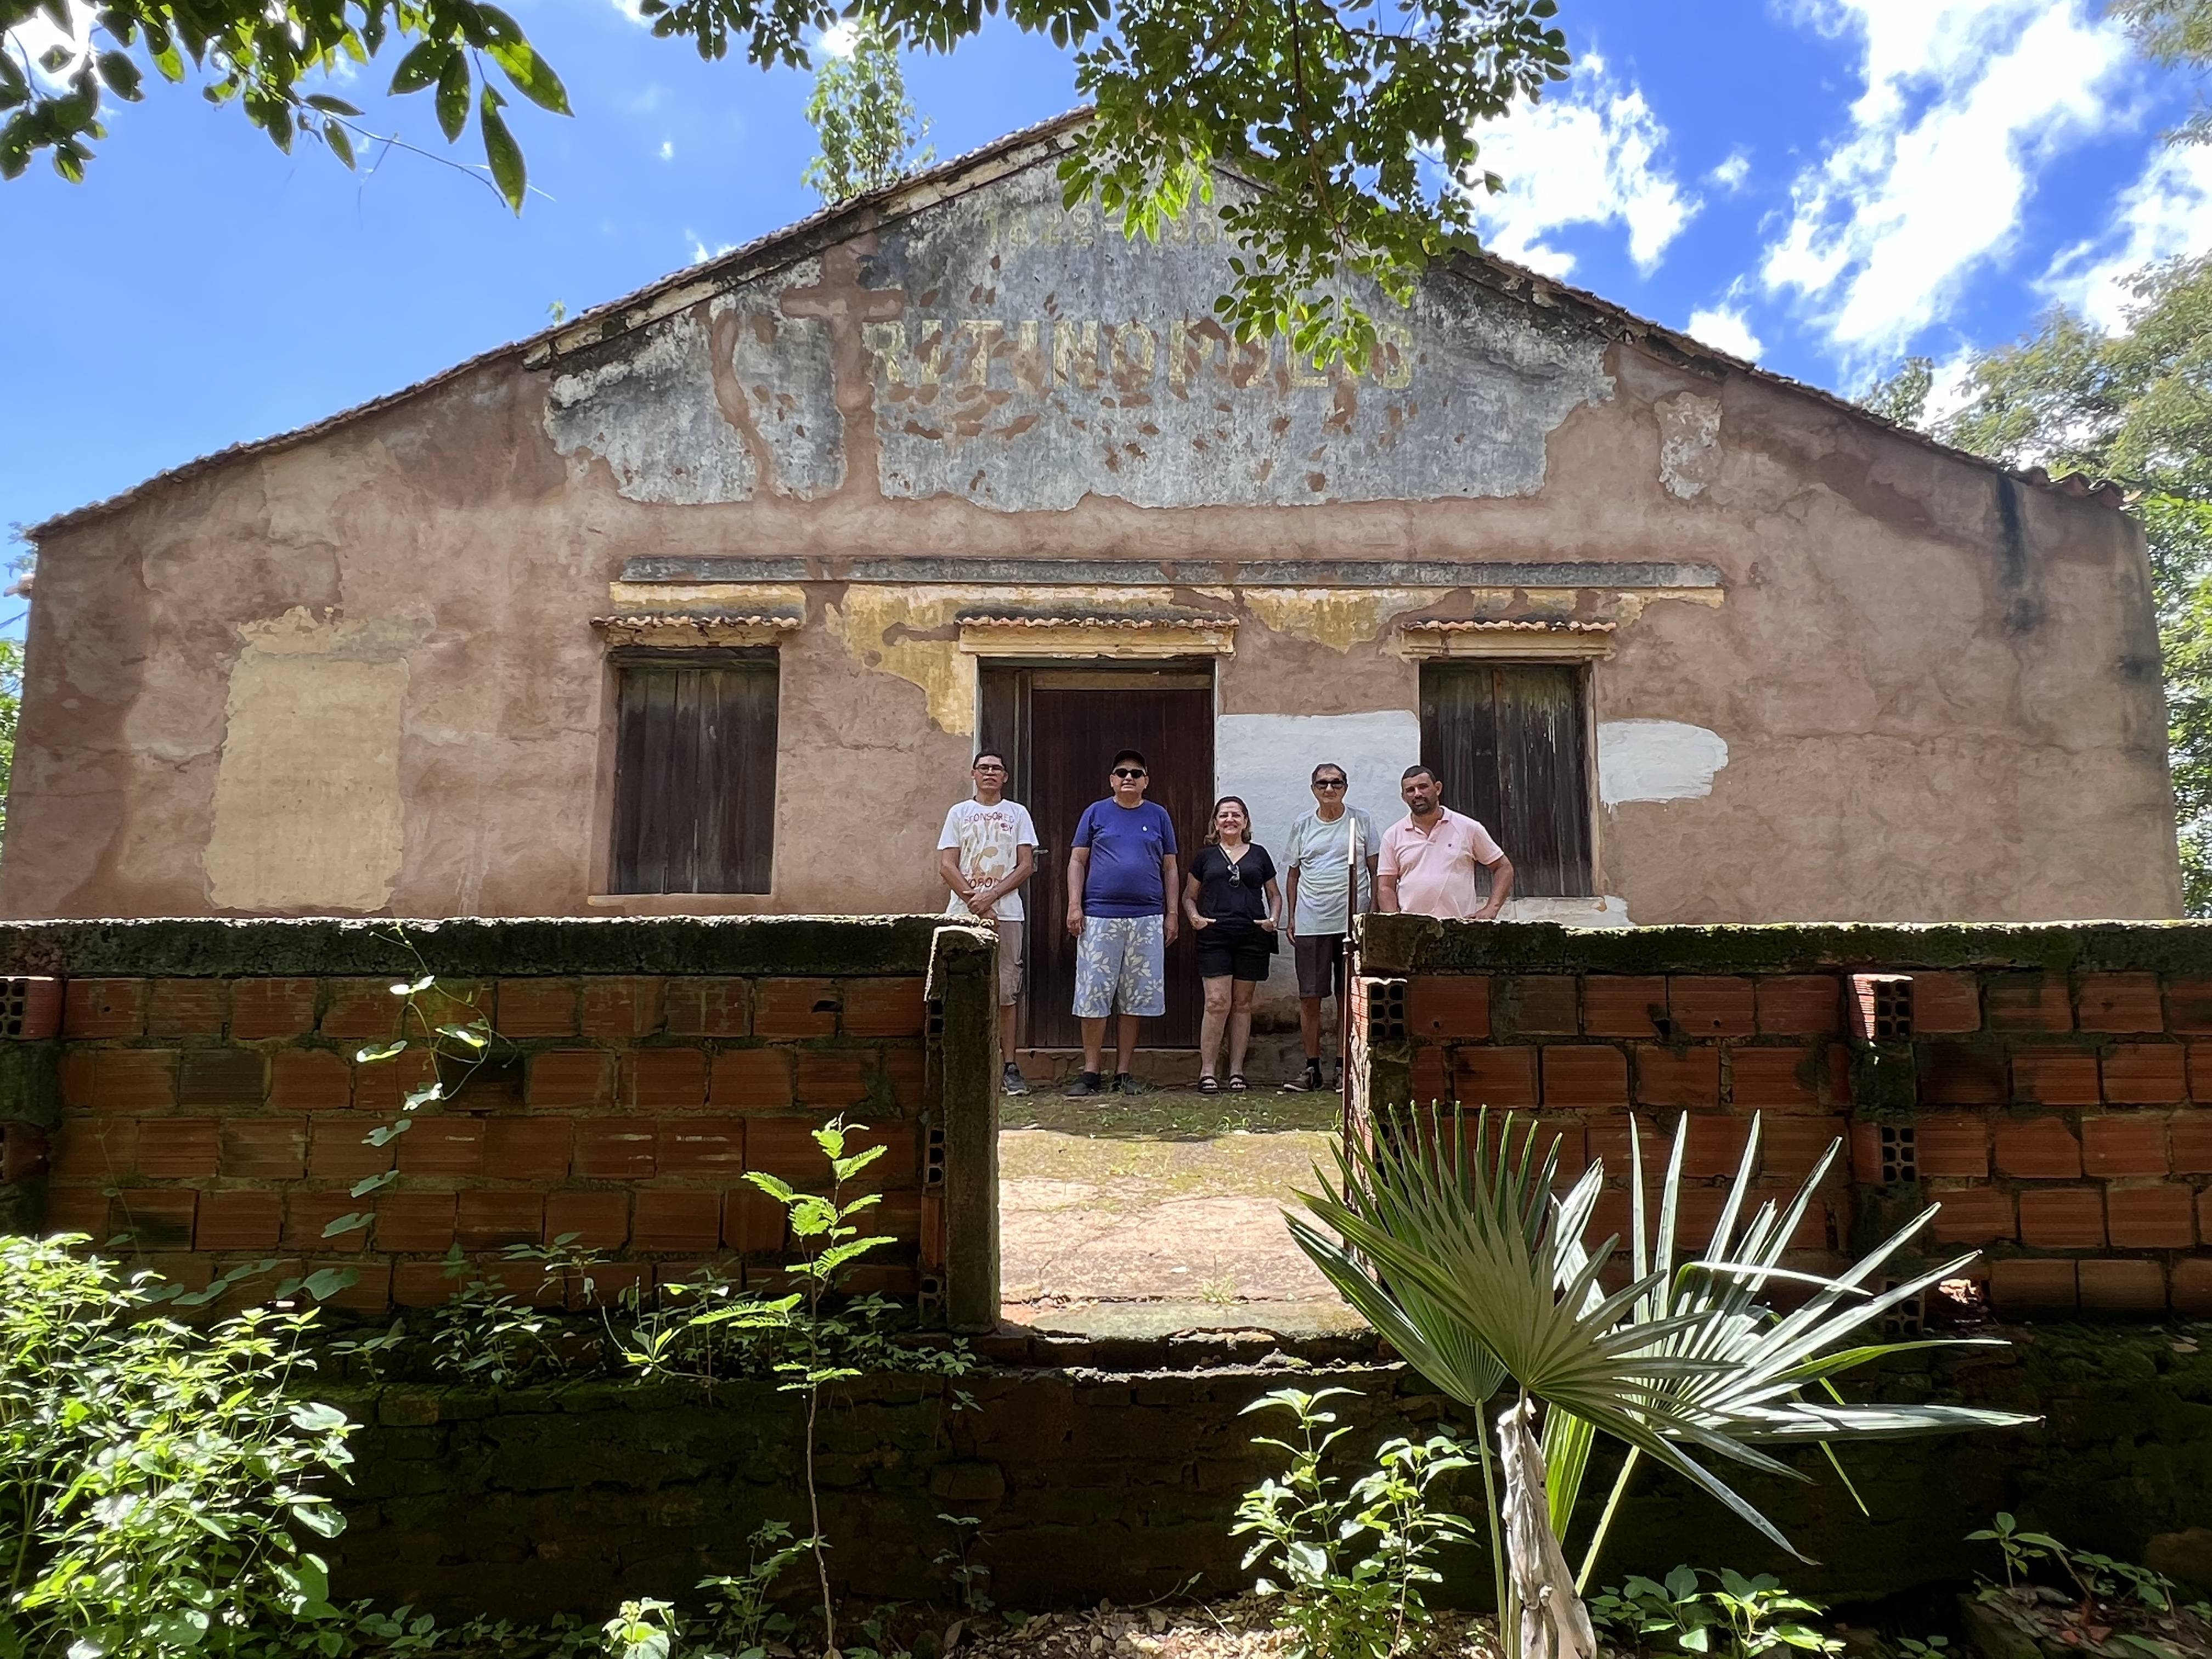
(988, 839)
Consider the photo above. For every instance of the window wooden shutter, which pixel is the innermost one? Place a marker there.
(695, 772)
(1509, 747)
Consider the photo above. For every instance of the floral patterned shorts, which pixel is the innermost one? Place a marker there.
(1121, 959)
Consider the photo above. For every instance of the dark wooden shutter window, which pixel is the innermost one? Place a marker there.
(695, 771)
(1508, 744)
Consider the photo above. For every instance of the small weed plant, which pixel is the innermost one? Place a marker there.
(1349, 1565)
(2059, 1596)
(1722, 1613)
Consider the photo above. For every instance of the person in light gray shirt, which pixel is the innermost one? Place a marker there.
(1331, 858)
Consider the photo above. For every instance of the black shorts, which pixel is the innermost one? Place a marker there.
(1320, 964)
(1244, 953)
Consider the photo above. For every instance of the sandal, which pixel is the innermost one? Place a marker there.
(1206, 1085)
(1237, 1085)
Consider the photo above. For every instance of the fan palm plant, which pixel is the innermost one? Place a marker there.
(1457, 1250)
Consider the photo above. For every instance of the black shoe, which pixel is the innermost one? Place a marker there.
(1130, 1083)
(1011, 1082)
(1308, 1081)
(1086, 1082)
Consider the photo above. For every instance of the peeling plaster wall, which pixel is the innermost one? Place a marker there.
(1937, 688)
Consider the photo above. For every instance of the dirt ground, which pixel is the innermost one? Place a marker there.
(1240, 1629)
(1174, 1197)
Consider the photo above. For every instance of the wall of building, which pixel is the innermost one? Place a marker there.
(192, 1094)
(2049, 1087)
(1851, 676)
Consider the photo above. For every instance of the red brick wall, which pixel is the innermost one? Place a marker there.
(2063, 1119)
(221, 1120)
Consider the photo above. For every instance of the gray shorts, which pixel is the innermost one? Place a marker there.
(1320, 964)
(1122, 960)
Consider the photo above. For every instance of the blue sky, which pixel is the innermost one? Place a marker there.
(1825, 185)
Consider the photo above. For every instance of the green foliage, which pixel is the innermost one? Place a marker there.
(2134, 407)
(1460, 1255)
(1903, 396)
(1351, 1564)
(2095, 1577)
(261, 58)
(869, 133)
(157, 1482)
(2178, 35)
(1738, 1617)
(1359, 120)
(11, 699)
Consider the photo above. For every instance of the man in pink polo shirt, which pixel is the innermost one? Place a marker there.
(1428, 860)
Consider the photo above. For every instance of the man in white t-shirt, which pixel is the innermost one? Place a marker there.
(1331, 859)
(987, 851)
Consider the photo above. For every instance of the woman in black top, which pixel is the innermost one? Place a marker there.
(1234, 905)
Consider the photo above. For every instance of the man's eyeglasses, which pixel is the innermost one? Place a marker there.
(989, 766)
(1128, 772)
(1328, 783)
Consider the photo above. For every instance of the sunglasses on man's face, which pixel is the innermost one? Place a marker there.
(1128, 772)
(1328, 783)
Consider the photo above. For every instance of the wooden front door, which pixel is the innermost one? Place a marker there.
(1062, 727)
(1508, 742)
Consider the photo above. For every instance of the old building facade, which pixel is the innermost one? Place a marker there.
(701, 602)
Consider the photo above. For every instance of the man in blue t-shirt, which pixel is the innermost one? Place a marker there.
(1122, 890)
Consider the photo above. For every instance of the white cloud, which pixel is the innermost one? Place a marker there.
(2167, 212)
(1964, 99)
(36, 35)
(1724, 326)
(700, 252)
(838, 39)
(1591, 158)
(668, 149)
(1730, 174)
(629, 10)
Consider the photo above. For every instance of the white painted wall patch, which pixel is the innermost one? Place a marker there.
(1657, 760)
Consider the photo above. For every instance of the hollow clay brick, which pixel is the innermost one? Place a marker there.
(306, 1215)
(134, 1080)
(570, 1078)
(2056, 1077)
(1583, 1075)
(1502, 1078)
(2191, 1286)
(2038, 1149)
(2132, 1288)
(1623, 1004)
(442, 1145)
(600, 1220)
(675, 1221)
(1955, 1073)
(2033, 1287)
(1943, 1004)
(2145, 1074)
(1710, 1004)
(2189, 1139)
(415, 1224)
(2123, 1144)
(2026, 1002)
(186, 1007)
(1453, 1007)
(1784, 1080)
(2063, 1218)
(750, 1079)
(360, 1009)
(310, 1080)
(2160, 1217)
(702, 1147)
(1799, 1005)
(526, 1148)
(264, 1148)
(1664, 1078)
(536, 1008)
(265, 1008)
(1543, 1005)
(831, 1080)
(882, 1007)
(490, 1220)
(177, 1148)
(1972, 1215)
(723, 1008)
(664, 1080)
(1952, 1146)
(2189, 1006)
(93, 1008)
(614, 1149)
(621, 1005)
(2121, 1003)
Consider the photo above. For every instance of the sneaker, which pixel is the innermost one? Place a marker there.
(1308, 1081)
(1086, 1083)
(1130, 1083)
(1013, 1083)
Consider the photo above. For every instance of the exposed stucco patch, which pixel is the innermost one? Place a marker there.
(1657, 760)
(308, 812)
(1339, 618)
(1689, 443)
(865, 620)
